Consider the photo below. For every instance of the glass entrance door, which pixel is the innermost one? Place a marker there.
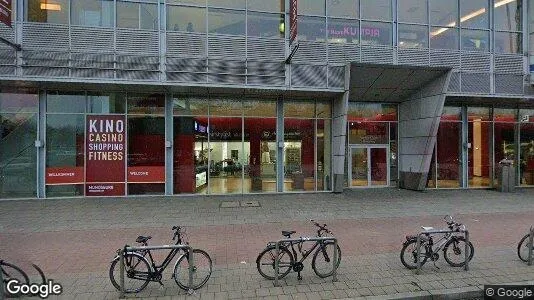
(369, 166)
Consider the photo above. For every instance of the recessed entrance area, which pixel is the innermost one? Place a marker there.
(369, 166)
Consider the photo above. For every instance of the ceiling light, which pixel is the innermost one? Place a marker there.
(50, 6)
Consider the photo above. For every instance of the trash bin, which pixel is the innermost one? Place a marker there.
(506, 176)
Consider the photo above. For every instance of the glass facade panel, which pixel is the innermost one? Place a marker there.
(475, 40)
(299, 109)
(507, 15)
(368, 132)
(478, 114)
(106, 104)
(311, 28)
(359, 167)
(324, 155)
(65, 103)
(239, 4)
(226, 107)
(323, 109)
(266, 5)
(343, 31)
(343, 8)
(412, 11)
(97, 13)
(260, 161)
(299, 154)
(376, 10)
(448, 147)
(265, 25)
(18, 103)
(504, 136)
(474, 13)
(376, 33)
(526, 163)
(504, 115)
(189, 19)
(193, 2)
(259, 108)
(444, 12)
(189, 106)
(479, 152)
(54, 11)
(142, 104)
(413, 36)
(444, 38)
(311, 7)
(508, 42)
(378, 166)
(222, 21)
(372, 112)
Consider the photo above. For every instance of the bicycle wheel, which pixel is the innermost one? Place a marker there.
(202, 267)
(455, 255)
(136, 272)
(11, 272)
(265, 263)
(522, 248)
(408, 254)
(322, 262)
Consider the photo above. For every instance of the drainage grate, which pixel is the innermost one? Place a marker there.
(229, 204)
(250, 204)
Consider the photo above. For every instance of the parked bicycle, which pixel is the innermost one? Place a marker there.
(322, 262)
(12, 272)
(452, 244)
(140, 267)
(523, 248)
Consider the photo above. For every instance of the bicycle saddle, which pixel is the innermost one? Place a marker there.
(142, 239)
(288, 234)
(427, 228)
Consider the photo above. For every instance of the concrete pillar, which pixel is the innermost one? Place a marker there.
(419, 118)
(339, 135)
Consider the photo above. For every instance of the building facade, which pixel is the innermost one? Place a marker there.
(179, 97)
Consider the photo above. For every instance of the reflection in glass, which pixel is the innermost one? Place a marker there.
(259, 108)
(372, 112)
(479, 158)
(508, 42)
(65, 103)
(444, 12)
(412, 11)
(474, 13)
(311, 28)
(137, 15)
(260, 161)
(311, 7)
(507, 15)
(189, 19)
(99, 13)
(299, 156)
(376, 9)
(449, 154)
(185, 106)
(504, 136)
(265, 25)
(527, 154)
(56, 12)
(368, 132)
(393, 162)
(343, 31)
(18, 103)
(343, 8)
(475, 40)
(378, 166)
(444, 38)
(222, 21)
(413, 36)
(299, 109)
(359, 166)
(226, 107)
(107, 104)
(324, 155)
(146, 104)
(240, 4)
(266, 5)
(376, 33)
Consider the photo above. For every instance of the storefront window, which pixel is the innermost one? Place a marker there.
(299, 157)
(145, 104)
(508, 42)
(372, 112)
(343, 8)
(508, 15)
(368, 132)
(137, 15)
(222, 21)
(311, 7)
(311, 28)
(18, 132)
(97, 13)
(343, 31)
(189, 19)
(474, 13)
(526, 164)
(376, 9)
(376, 33)
(413, 36)
(226, 107)
(444, 38)
(185, 106)
(107, 104)
(54, 11)
(479, 147)
(444, 12)
(475, 40)
(265, 25)
(504, 135)
(412, 11)
(324, 154)
(448, 150)
(260, 164)
(65, 103)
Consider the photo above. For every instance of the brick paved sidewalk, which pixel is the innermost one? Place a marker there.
(370, 225)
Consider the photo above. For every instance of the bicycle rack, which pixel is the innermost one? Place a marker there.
(126, 249)
(418, 246)
(304, 239)
(530, 238)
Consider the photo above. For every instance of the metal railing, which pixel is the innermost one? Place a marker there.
(530, 238)
(304, 239)
(127, 249)
(429, 232)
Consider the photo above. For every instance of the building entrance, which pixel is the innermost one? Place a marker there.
(369, 166)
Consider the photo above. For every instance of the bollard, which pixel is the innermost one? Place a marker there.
(530, 238)
(418, 254)
(2, 295)
(276, 262)
(191, 263)
(466, 254)
(334, 270)
(121, 267)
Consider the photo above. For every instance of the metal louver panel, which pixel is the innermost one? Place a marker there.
(221, 66)
(186, 44)
(226, 79)
(308, 76)
(45, 36)
(311, 52)
(475, 83)
(265, 80)
(138, 75)
(7, 57)
(378, 55)
(508, 64)
(93, 60)
(336, 76)
(45, 72)
(7, 33)
(45, 58)
(226, 47)
(187, 77)
(7, 70)
(445, 58)
(92, 73)
(265, 49)
(475, 61)
(193, 65)
(137, 63)
(454, 84)
(265, 73)
(85, 39)
(414, 57)
(343, 53)
(509, 84)
(137, 41)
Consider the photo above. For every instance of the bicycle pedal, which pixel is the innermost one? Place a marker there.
(161, 284)
(299, 277)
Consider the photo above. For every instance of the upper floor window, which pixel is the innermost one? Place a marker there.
(47, 11)
(223, 21)
(444, 12)
(92, 12)
(413, 11)
(137, 15)
(507, 15)
(343, 8)
(266, 5)
(311, 7)
(238, 4)
(376, 9)
(190, 19)
(474, 13)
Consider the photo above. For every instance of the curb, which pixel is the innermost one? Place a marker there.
(445, 294)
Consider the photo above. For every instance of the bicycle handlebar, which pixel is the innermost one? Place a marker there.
(321, 228)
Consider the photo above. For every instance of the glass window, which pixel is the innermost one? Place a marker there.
(413, 36)
(240, 4)
(474, 13)
(504, 141)
(226, 107)
(444, 12)
(508, 15)
(194, 2)
(266, 5)
(137, 15)
(451, 113)
(372, 112)
(107, 104)
(527, 154)
(475, 40)
(508, 42)
(53, 11)
(259, 108)
(299, 109)
(18, 103)
(478, 114)
(343, 31)
(343, 8)
(65, 103)
(311, 28)
(299, 154)
(368, 132)
(311, 7)
(412, 11)
(265, 25)
(448, 145)
(222, 21)
(444, 38)
(92, 12)
(323, 109)
(504, 115)
(185, 106)
(526, 115)
(190, 19)
(146, 104)
(260, 155)
(376, 33)
(324, 154)
(376, 9)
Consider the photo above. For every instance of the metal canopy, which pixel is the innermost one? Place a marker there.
(389, 83)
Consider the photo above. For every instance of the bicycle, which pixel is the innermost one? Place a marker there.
(265, 262)
(523, 248)
(408, 254)
(140, 267)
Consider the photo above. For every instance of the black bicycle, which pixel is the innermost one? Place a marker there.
(523, 248)
(12, 272)
(322, 263)
(140, 267)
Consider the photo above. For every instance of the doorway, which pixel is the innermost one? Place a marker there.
(369, 166)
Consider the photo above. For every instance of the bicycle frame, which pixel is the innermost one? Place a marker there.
(307, 252)
(158, 270)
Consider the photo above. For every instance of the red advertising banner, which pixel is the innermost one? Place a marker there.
(293, 19)
(146, 174)
(104, 189)
(106, 154)
(64, 175)
(5, 12)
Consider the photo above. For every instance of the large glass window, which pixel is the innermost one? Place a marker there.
(222, 21)
(508, 15)
(448, 150)
(444, 38)
(190, 19)
(18, 132)
(343, 31)
(265, 24)
(376, 33)
(343, 8)
(137, 15)
(526, 164)
(240, 4)
(508, 42)
(106, 104)
(311, 7)
(92, 12)
(376, 9)
(475, 40)
(413, 36)
(479, 147)
(412, 11)
(311, 28)
(52, 11)
(266, 5)
(474, 13)
(504, 135)
(444, 12)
